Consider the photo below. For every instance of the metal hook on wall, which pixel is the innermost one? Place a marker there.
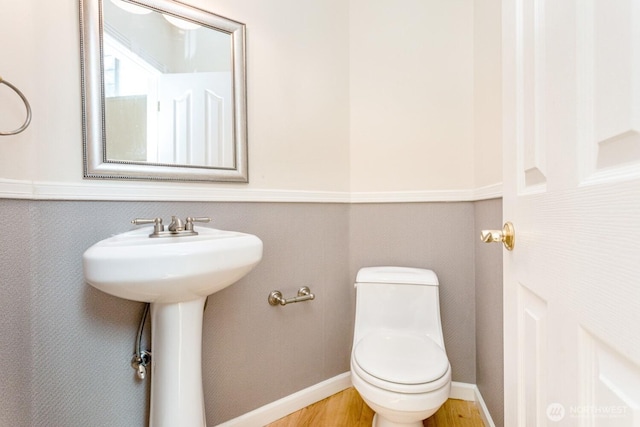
(26, 104)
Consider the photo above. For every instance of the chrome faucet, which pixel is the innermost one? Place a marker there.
(176, 224)
(175, 229)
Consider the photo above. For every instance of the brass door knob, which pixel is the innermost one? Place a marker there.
(507, 236)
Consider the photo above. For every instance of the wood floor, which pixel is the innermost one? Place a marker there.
(346, 409)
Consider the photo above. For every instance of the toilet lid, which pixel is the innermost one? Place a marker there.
(401, 358)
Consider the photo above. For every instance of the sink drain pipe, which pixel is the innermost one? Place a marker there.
(141, 358)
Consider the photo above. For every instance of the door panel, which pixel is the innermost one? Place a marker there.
(608, 76)
(610, 385)
(532, 321)
(196, 117)
(531, 91)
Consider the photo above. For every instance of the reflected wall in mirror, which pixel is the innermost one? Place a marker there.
(163, 92)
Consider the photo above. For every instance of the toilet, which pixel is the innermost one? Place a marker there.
(398, 361)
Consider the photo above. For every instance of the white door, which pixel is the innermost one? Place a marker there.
(572, 190)
(195, 120)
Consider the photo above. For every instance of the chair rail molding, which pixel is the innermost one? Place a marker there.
(153, 191)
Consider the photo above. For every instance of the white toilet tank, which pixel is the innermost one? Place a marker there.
(400, 298)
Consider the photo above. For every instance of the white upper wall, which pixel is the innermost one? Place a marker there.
(411, 98)
(487, 94)
(17, 62)
(360, 96)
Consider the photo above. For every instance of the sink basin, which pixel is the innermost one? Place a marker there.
(134, 266)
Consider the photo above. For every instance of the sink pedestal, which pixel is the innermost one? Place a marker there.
(177, 399)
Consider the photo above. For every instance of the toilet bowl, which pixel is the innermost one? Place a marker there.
(398, 360)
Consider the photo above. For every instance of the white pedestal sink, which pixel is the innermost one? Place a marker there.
(175, 275)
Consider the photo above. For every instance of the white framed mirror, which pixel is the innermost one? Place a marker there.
(163, 91)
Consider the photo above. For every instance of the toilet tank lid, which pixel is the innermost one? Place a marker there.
(397, 275)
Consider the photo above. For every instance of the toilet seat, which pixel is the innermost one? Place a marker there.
(401, 361)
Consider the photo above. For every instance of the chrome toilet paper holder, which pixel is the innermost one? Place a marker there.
(304, 294)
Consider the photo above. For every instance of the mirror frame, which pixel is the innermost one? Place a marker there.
(96, 164)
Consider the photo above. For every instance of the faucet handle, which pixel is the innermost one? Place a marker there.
(157, 228)
(190, 220)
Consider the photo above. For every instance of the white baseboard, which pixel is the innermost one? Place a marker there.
(292, 403)
(303, 398)
(484, 411)
(463, 391)
(471, 393)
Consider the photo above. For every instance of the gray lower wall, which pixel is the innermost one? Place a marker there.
(64, 359)
(489, 345)
(15, 313)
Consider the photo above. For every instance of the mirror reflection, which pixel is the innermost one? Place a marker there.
(168, 88)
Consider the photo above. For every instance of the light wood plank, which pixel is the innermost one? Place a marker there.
(347, 409)
(455, 413)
